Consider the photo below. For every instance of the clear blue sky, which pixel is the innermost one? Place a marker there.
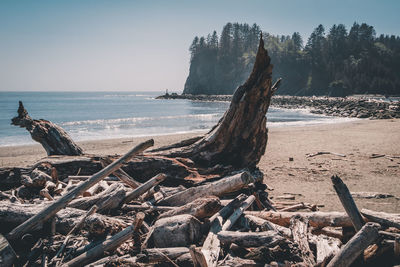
(143, 45)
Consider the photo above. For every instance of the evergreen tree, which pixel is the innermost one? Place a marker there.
(337, 64)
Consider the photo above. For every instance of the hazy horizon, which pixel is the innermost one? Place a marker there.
(143, 45)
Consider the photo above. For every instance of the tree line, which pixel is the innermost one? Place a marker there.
(338, 62)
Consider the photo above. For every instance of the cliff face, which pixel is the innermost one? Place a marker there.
(211, 79)
(337, 63)
(220, 65)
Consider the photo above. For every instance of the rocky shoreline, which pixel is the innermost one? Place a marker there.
(330, 106)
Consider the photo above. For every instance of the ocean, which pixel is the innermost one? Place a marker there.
(107, 115)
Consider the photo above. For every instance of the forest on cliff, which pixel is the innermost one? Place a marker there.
(337, 62)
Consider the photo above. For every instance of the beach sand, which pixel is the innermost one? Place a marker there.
(309, 178)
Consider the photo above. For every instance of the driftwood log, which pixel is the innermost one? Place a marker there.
(7, 253)
(51, 136)
(348, 202)
(109, 244)
(109, 199)
(383, 218)
(51, 210)
(159, 255)
(211, 246)
(299, 226)
(316, 219)
(176, 231)
(248, 239)
(326, 246)
(74, 229)
(356, 245)
(217, 188)
(199, 208)
(258, 224)
(15, 214)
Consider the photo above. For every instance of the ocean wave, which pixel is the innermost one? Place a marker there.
(202, 117)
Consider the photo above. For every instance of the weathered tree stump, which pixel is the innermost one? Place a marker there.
(52, 137)
(240, 137)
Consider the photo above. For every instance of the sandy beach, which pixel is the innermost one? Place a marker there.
(307, 177)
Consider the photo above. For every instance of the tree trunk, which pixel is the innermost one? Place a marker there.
(51, 136)
(240, 137)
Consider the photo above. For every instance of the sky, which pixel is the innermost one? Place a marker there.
(115, 45)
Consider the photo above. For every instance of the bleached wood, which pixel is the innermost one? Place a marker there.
(15, 214)
(264, 225)
(80, 223)
(217, 188)
(176, 231)
(199, 208)
(383, 218)
(237, 213)
(299, 227)
(250, 239)
(211, 246)
(121, 174)
(325, 246)
(49, 211)
(158, 255)
(95, 253)
(106, 200)
(144, 188)
(348, 202)
(317, 219)
(356, 245)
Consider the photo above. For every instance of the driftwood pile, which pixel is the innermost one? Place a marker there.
(103, 220)
(200, 202)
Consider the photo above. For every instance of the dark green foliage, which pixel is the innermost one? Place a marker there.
(335, 62)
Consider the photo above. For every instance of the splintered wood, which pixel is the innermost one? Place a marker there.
(218, 223)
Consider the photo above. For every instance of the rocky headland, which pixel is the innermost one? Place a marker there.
(330, 106)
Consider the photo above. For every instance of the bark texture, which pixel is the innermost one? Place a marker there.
(240, 137)
(51, 136)
(97, 224)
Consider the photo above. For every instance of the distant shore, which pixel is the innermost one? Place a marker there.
(307, 176)
(330, 106)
